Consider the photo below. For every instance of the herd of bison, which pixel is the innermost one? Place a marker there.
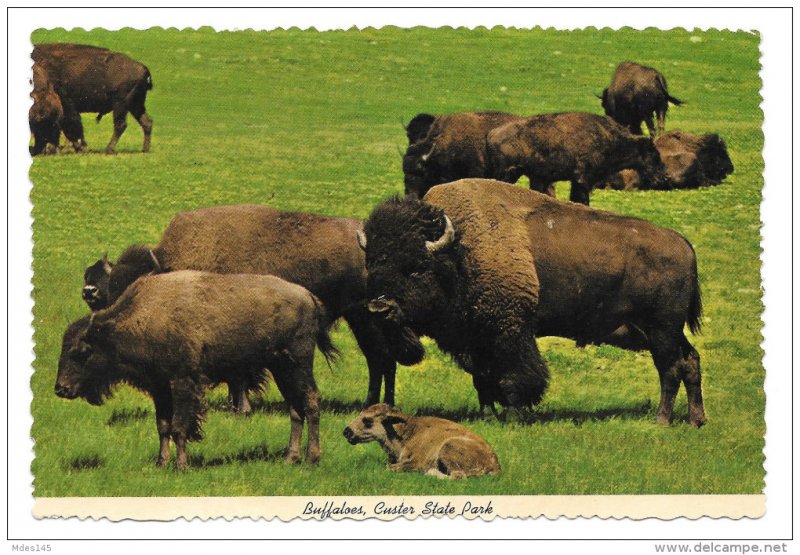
(239, 294)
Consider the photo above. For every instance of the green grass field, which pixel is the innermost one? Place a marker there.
(309, 121)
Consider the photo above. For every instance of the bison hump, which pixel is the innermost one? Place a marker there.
(491, 219)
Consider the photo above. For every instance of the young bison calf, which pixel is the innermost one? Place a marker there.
(435, 446)
(172, 335)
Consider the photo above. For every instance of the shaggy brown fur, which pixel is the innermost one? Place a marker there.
(435, 446)
(91, 79)
(46, 115)
(519, 265)
(636, 93)
(448, 147)
(574, 146)
(318, 252)
(174, 334)
(691, 161)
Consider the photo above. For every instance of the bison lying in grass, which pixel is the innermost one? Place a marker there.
(435, 446)
(318, 252)
(690, 161)
(636, 93)
(581, 148)
(484, 268)
(172, 335)
(91, 79)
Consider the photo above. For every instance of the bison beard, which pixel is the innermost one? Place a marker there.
(513, 265)
(427, 295)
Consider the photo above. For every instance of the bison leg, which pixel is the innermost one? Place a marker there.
(162, 398)
(670, 363)
(661, 116)
(73, 129)
(146, 122)
(237, 398)
(650, 127)
(295, 380)
(381, 364)
(120, 115)
(548, 189)
(188, 412)
(579, 192)
(692, 382)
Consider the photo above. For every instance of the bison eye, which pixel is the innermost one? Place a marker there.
(415, 275)
(367, 421)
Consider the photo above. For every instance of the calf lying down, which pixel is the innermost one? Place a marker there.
(435, 446)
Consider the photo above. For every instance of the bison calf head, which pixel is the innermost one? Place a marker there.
(84, 368)
(375, 423)
(411, 270)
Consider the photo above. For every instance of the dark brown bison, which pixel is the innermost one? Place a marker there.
(91, 79)
(690, 161)
(45, 115)
(485, 268)
(446, 148)
(582, 148)
(172, 335)
(635, 94)
(318, 252)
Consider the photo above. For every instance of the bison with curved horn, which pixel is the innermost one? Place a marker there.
(484, 268)
(320, 253)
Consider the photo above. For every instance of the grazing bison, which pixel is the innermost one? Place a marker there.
(635, 94)
(690, 161)
(581, 148)
(318, 252)
(435, 446)
(45, 115)
(172, 335)
(446, 148)
(485, 268)
(91, 79)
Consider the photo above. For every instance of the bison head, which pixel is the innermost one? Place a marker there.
(409, 260)
(95, 283)
(84, 368)
(419, 172)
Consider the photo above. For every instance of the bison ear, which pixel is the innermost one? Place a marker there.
(99, 331)
(107, 265)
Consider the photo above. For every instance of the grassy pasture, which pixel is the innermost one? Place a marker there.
(309, 121)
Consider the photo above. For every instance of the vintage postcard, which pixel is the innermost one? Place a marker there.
(397, 272)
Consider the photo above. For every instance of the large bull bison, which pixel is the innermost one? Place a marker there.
(318, 252)
(635, 94)
(582, 148)
(690, 161)
(448, 147)
(172, 335)
(485, 268)
(91, 79)
(46, 115)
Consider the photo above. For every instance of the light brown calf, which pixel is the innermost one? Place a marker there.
(435, 446)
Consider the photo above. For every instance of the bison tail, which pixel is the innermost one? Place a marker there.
(695, 314)
(675, 101)
(324, 343)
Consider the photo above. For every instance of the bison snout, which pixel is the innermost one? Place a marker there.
(64, 392)
(350, 435)
(90, 292)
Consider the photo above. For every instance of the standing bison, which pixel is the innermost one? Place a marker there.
(635, 94)
(485, 268)
(172, 335)
(46, 115)
(318, 252)
(446, 148)
(582, 148)
(91, 79)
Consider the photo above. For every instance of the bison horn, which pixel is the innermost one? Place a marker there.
(362, 239)
(106, 264)
(156, 265)
(445, 239)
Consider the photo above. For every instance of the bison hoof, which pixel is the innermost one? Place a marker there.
(663, 420)
(161, 462)
(697, 421)
(293, 458)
